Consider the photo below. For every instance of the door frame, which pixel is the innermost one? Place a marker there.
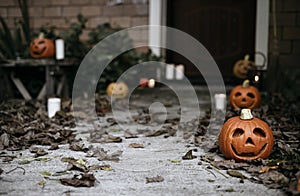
(158, 16)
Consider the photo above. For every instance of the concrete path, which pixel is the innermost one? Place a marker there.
(160, 157)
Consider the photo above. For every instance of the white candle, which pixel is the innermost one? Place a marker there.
(151, 83)
(220, 101)
(179, 72)
(59, 49)
(53, 105)
(170, 71)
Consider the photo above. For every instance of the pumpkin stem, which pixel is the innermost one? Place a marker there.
(246, 114)
(246, 84)
(246, 58)
(41, 35)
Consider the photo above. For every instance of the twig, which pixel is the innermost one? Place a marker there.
(211, 172)
(217, 170)
(15, 169)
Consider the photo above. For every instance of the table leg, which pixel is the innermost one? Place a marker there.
(49, 81)
(20, 87)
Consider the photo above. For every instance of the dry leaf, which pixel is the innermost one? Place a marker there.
(136, 145)
(266, 169)
(154, 179)
(82, 180)
(189, 155)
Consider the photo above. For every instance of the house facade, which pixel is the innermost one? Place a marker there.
(268, 27)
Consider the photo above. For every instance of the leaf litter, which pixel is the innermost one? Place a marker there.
(24, 124)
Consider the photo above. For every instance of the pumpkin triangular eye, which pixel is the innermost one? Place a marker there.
(238, 94)
(238, 133)
(251, 95)
(259, 132)
(41, 42)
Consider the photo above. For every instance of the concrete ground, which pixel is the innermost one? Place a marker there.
(160, 156)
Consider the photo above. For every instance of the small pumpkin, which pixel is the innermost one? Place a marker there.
(143, 83)
(42, 47)
(242, 67)
(245, 138)
(117, 90)
(244, 96)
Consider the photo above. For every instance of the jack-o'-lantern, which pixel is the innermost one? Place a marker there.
(245, 138)
(42, 47)
(244, 96)
(242, 67)
(117, 90)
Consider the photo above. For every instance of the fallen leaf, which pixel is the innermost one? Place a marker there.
(136, 145)
(236, 174)
(154, 179)
(42, 182)
(175, 161)
(189, 155)
(54, 146)
(44, 159)
(82, 180)
(129, 135)
(156, 133)
(100, 167)
(266, 169)
(45, 173)
(76, 146)
(24, 162)
(112, 157)
(81, 161)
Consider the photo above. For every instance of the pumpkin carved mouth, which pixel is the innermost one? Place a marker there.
(248, 154)
(39, 52)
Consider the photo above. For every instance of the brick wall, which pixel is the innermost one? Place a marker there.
(61, 13)
(284, 57)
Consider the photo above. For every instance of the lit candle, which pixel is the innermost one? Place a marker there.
(59, 49)
(179, 72)
(256, 78)
(169, 71)
(151, 83)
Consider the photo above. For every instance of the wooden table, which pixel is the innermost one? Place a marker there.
(53, 68)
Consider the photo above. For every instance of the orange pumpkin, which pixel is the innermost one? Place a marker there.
(245, 138)
(117, 90)
(244, 96)
(242, 67)
(42, 47)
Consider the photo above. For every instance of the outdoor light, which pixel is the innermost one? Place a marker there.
(256, 78)
(151, 83)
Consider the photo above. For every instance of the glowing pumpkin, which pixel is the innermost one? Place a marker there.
(42, 47)
(244, 96)
(117, 90)
(245, 138)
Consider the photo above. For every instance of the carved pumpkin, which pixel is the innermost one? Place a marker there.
(242, 67)
(117, 90)
(42, 47)
(245, 138)
(244, 96)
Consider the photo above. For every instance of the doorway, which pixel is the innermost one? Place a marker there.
(226, 28)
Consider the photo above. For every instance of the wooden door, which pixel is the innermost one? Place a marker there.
(225, 27)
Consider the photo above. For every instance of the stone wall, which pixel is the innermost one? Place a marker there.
(61, 13)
